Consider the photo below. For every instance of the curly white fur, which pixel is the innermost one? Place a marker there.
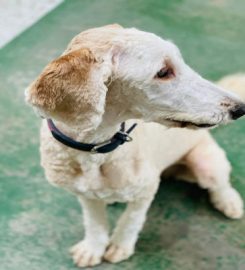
(119, 83)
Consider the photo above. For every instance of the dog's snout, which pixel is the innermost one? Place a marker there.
(237, 112)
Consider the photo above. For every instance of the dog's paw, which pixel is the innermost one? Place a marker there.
(85, 255)
(229, 202)
(116, 253)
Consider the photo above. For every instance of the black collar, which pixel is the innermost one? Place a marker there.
(117, 139)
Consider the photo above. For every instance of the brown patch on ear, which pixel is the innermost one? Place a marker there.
(61, 77)
(114, 25)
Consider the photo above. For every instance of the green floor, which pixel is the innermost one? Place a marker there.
(38, 223)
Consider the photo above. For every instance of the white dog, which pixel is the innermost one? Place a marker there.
(107, 76)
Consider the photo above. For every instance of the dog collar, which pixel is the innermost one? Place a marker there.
(107, 146)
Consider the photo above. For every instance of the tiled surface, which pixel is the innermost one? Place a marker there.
(17, 15)
(38, 223)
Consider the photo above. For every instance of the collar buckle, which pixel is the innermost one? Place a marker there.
(94, 150)
(126, 136)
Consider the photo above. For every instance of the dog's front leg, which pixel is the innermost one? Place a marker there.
(126, 232)
(90, 250)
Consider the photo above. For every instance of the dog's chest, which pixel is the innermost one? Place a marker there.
(115, 181)
(111, 195)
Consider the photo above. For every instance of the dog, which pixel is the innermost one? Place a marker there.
(108, 80)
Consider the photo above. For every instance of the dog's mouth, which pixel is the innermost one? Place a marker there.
(188, 124)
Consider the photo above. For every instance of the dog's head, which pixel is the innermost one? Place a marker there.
(115, 73)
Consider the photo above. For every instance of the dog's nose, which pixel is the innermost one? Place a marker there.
(237, 112)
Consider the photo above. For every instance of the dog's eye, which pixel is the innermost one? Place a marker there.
(165, 73)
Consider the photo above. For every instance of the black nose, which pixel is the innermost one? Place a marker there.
(237, 112)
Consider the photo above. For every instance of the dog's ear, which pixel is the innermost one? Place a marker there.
(71, 87)
(60, 78)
